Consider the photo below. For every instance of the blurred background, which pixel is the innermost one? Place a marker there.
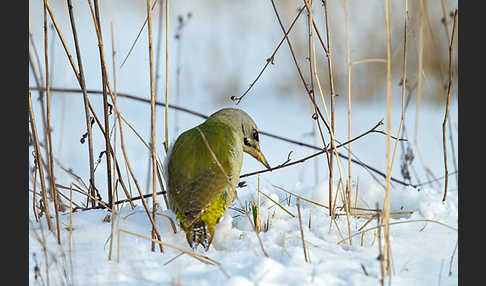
(217, 49)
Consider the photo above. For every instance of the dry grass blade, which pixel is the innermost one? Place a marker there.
(117, 111)
(204, 259)
(386, 204)
(50, 161)
(166, 142)
(136, 38)
(86, 103)
(104, 78)
(38, 158)
(401, 222)
(276, 203)
(302, 198)
(269, 59)
(302, 232)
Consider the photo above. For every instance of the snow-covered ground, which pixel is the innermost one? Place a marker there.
(422, 250)
(423, 243)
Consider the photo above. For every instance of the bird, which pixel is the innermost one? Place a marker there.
(203, 169)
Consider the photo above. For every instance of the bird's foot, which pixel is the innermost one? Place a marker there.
(200, 236)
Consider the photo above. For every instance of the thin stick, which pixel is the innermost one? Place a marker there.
(304, 83)
(302, 231)
(348, 65)
(386, 204)
(39, 79)
(196, 255)
(179, 108)
(419, 85)
(121, 134)
(333, 95)
(136, 38)
(71, 217)
(275, 202)
(115, 190)
(331, 130)
(49, 138)
(85, 101)
(271, 58)
(166, 143)
(152, 126)
(446, 30)
(286, 164)
(449, 90)
(404, 80)
(259, 227)
(34, 199)
(301, 198)
(104, 78)
(38, 158)
(380, 256)
(401, 222)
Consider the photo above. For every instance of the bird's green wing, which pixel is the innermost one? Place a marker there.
(194, 178)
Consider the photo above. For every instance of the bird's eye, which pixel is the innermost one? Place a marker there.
(254, 133)
(247, 143)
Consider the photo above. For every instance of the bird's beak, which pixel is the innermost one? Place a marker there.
(261, 158)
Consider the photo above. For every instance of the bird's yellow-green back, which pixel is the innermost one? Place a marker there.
(198, 192)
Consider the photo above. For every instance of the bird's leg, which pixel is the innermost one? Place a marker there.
(205, 241)
(199, 235)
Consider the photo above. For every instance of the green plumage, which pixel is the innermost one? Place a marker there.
(198, 191)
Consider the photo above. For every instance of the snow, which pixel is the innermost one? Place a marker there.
(423, 240)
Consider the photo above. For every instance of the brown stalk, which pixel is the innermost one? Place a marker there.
(420, 69)
(302, 232)
(333, 95)
(39, 80)
(449, 90)
(34, 199)
(404, 80)
(104, 78)
(82, 84)
(386, 204)
(88, 108)
(119, 123)
(49, 138)
(152, 126)
(115, 190)
(81, 191)
(166, 142)
(200, 257)
(51, 15)
(309, 91)
(446, 30)
(331, 209)
(380, 225)
(380, 256)
(38, 158)
(348, 67)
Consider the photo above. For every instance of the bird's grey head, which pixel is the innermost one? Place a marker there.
(243, 123)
